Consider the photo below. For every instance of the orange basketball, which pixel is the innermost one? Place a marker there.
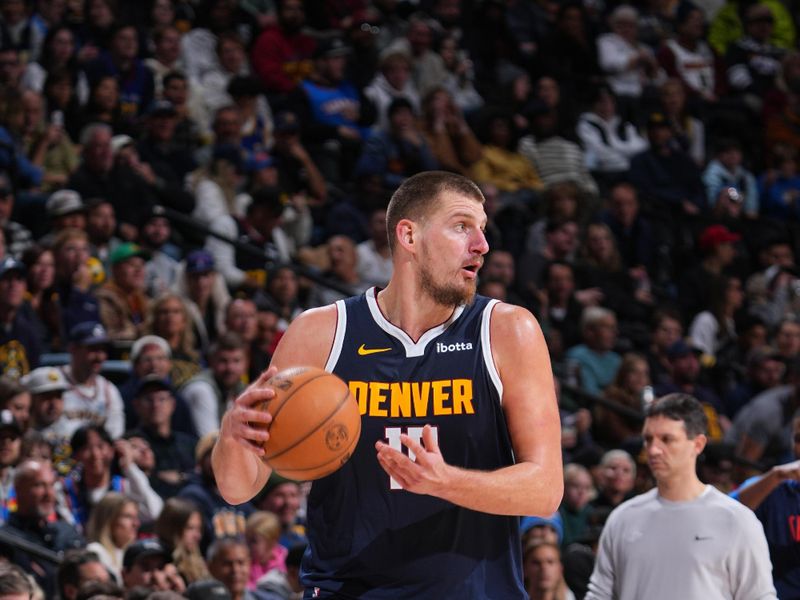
(315, 423)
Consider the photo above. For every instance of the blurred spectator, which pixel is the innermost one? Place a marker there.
(787, 338)
(59, 51)
(629, 390)
(282, 497)
(633, 231)
(373, 256)
(498, 265)
(689, 58)
(103, 466)
(241, 318)
(281, 54)
(727, 181)
(161, 270)
(229, 562)
(556, 159)
(282, 297)
(609, 141)
(298, 175)
(17, 237)
(713, 331)
(262, 532)
(574, 510)
(615, 480)
(35, 520)
(90, 397)
(123, 301)
(665, 175)
(391, 83)
(47, 143)
(101, 225)
(99, 177)
(459, 80)
(231, 62)
(727, 26)
(46, 386)
(220, 519)
(148, 564)
(103, 105)
(154, 404)
(166, 56)
(261, 228)
(10, 456)
(168, 318)
(189, 127)
(16, 399)
(779, 188)
(212, 391)
(753, 62)
(205, 295)
(560, 308)
(684, 378)
(398, 152)
(198, 46)
(276, 585)
(179, 528)
(716, 243)
(502, 165)
(19, 344)
(765, 371)
(543, 571)
(687, 130)
(428, 68)
(121, 61)
(41, 306)
(630, 65)
(343, 270)
(78, 568)
(65, 210)
(18, 30)
(595, 359)
(112, 527)
(773, 498)
(452, 142)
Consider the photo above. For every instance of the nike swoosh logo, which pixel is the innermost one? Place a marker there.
(697, 538)
(367, 351)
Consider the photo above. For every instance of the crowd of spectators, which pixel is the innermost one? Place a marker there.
(640, 168)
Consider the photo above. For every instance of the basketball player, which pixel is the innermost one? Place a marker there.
(460, 430)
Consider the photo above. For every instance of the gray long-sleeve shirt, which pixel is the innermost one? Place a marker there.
(708, 548)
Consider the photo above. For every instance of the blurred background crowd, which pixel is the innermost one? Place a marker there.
(179, 179)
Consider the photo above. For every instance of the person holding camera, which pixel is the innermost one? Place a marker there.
(730, 188)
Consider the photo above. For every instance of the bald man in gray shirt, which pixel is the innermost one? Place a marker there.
(683, 539)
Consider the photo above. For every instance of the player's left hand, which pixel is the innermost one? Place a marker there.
(426, 474)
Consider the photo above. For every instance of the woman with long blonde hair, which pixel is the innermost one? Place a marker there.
(180, 528)
(169, 318)
(113, 526)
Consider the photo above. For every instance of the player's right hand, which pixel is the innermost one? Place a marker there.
(244, 422)
(788, 471)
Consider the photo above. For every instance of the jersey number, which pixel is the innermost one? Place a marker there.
(393, 439)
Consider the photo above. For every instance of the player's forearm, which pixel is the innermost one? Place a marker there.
(239, 473)
(524, 489)
(754, 494)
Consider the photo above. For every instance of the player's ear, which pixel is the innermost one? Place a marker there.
(405, 232)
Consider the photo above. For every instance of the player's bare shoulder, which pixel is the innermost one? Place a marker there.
(515, 334)
(309, 339)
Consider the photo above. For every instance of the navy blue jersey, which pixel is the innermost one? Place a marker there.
(369, 538)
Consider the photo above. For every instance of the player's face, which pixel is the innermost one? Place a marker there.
(452, 249)
(671, 454)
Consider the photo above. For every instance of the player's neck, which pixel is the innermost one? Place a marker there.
(411, 310)
(680, 488)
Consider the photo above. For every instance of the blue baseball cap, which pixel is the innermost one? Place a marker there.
(554, 522)
(199, 261)
(9, 263)
(89, 333)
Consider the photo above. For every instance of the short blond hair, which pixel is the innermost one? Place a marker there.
(264, 524)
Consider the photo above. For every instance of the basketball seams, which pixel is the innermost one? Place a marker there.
(300, 472)
(322, 422)
(293, 392)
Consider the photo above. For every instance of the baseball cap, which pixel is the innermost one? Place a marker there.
(162, 108)
(127, 250)
(89, 333)
(118, 142)
(152, 381)
(714, 235)
(9, 263)
(45, 379)
(331, 47)
(554, 522)
(199, 261)
(207, 588)
(7, 421)
(149, 340)
(681, 348)
(142, 549)
(64, 202)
